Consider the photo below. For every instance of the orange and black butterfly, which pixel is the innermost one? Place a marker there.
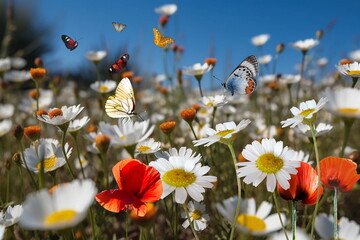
(118, 27)
(69, 43)
(160, 40)
(120, 64)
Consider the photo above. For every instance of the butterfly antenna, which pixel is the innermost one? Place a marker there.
(217, 78)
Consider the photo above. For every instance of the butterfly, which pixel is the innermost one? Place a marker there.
(120, 64)
(118, 27)
(242, 80)
(122, 104)
(160, 40)
(69, 43)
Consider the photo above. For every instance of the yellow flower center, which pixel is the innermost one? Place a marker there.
(60, 217)
(196, 215)
(143, 148)
(355, 72)
(122, 137)
(307, 112)
(269, 163)
(178, 178)
(252, 223)
(223, 133)
(348, 110)
(203, 111)
(103, 88)
(48, 163)
(210, 104)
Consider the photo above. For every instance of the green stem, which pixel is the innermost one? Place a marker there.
(213, 118)
(198, 78)
(7, 185)
(237, 211)
(106, 172)
(78, 154)
(293, 214)
(355, 79)
(192, 130)
(42, 174)
(275, 63)
(348, 122)
(26, 166)
(126, 225)
(278, 212)
(64, 152)
(312, 129)
(290, 94)
(191, 222)
(38, 95)
(336, 234)
(92, 220)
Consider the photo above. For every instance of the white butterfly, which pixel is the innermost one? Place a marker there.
(242, 79)
(122, 104)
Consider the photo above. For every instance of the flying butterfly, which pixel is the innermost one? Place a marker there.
(122, 104)
(160, 40)
(118, 27)
(119, 64)
(69, 43)
(242, 79)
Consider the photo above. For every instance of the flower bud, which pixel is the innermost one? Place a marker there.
(102, 142)
(38, 62)
(18, 132)
(16, 158)
(188, 114)
(32, 132)
(167, 127)
(37, 74)
(319, 34)
(280, 48)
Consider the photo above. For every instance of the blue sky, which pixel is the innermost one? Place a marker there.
(226, 27)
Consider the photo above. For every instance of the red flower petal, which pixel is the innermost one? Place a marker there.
(118, 167)
(114, 200)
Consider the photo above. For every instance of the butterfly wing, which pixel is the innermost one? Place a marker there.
(160, 40)
(118, 27)
(69, 43)
(122, 104)
(252, 64)
(120, 64)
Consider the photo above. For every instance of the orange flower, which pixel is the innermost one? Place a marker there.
(163, 20)
(138, 183)
(102, 142)
(34, 94)
(167, 127)
(37, 74)
(345, 61)
(137, 79)
(188, 114)
(41, 112)
(211, 61)
(127, 75)
(303, 186)
(32, 132)
(338, 173)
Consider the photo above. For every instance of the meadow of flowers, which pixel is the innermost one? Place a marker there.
(188, 162)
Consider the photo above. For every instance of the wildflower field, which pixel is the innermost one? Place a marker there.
(259, 155)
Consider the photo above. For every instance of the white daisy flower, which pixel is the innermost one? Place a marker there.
(83, 161)
(355, 55)
(183, 175)
(260, 39)
(320, 129)
(147, 146)
(305, 114)
(48, 150)
(5, 127)
(64, 208)
(260, 130)
(29, 105)
(347, 230)
(182, 153)
(301, 156)
(197, 216)
(213, 101)
(289, 79)
(300, 235)
(197, 69)
(351, 69)
(127, 132)
(56, 116)
(6, 111)
(255, 222)
(17, 76)
(77, 124)
(96, 56)
(343, 102)
(305, 45)
(5, 64)
(91, 137)
(17, 62)
(322, 62)
(268, 78)
(265, 59)
(167, 9)
(270, 160)
(103, 86)
(11, 215)
(224, 132)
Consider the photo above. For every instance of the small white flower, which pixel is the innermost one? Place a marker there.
(324, 226)
(270, 160)
(64, 208)
(268, 78)
(83, 162)
(260, 130)
(147, 146)
(96, 56)
(320, 129)
(213, 101)
(183, 152)
(322, 62)
(6, 111)
(300, 235)
(77, 124)
(305, 113)
(167, 9)
(351, 69)
(343, 102)
(183, 175)
(255, 222)
(48, 150)
(305, 45)
(17, 76)
(197, 216)
(103, 86)
(355, 55)
(197, 69)
(18, 62)
(11, 216)
(63, 115)
(289, 79)
(223, 132)
(5, 127)
(5, 64)
(260, 39)
(301, 156)
(29, 105)
(265, 59)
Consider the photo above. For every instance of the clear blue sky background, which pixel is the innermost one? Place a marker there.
(226, 27)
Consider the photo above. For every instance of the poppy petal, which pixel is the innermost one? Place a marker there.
(114, 200)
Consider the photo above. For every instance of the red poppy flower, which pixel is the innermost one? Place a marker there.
(303, 186)
(138, 183)
(338, 172)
